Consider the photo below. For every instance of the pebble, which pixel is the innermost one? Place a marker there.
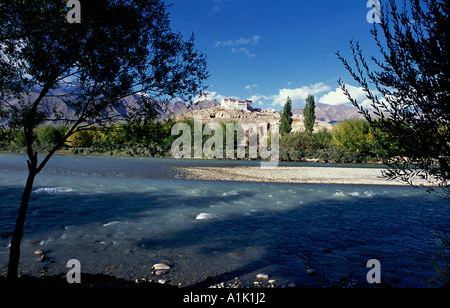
(262, 276)
(236, 283)
(161, 267)
(311, 272)
(162, 281)
(39, 252)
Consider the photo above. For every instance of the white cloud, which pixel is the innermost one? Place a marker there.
(323, 93)
(338, 97)
(259, 99)
(298, 95)
(239, 42)
(240, 45)
(250, 87)
(244, 50)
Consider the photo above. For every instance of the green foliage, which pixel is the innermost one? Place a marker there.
(302, 141)
(151, 138)
(82, 139)
(48, 135)
(309, 114)
(351, 141)
(323, 139)
(5, 136)
(410, 106)
(286, 118)
(352, 136)
(18, 137)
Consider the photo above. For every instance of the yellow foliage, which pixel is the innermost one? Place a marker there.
(82, 139)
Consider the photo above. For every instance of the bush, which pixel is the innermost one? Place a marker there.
(352, 136)
(323, 139)
(82, 139)
(48, 135)
(5, 136)
(301, 141)
(18, 138)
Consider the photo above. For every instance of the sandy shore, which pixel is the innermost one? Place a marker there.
(305, 175)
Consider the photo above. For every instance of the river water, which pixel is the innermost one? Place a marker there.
(121, 215)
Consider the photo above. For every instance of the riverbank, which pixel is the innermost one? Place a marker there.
(293, 175)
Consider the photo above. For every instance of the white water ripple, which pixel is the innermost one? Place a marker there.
(55, 190)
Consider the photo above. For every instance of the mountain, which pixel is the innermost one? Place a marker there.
(331, 113)
(56, 104)
(179, 108)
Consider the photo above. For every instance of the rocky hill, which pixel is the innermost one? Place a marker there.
(220, 114)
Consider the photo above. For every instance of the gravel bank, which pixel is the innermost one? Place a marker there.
(305, 175)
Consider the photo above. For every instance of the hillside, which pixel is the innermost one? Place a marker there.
(219, 114)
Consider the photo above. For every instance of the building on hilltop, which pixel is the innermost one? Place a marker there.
(234, 104)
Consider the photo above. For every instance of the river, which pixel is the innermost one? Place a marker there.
(121, 215)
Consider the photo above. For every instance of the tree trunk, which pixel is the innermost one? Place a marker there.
(14, 252)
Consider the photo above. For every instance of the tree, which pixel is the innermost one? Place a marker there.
(47, 135)
(286, 118)
(120, 48)
(309, 114)
(323, 139)
(413, 81)
(352, 136)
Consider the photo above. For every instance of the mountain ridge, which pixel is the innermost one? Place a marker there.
(54, 104)
(331, 113)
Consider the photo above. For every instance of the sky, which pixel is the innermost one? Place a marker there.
(266, 50)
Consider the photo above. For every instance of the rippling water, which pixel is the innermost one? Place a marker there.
(121, 215)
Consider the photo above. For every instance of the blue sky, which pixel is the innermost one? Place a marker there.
(267, 50)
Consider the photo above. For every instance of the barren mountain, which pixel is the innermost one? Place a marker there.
(56, 104)
(330, 113)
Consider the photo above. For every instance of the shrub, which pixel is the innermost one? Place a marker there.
(352, 136)
(18, 138)
(323, 139)
(301, 141)
(48, 135)
(82, 139)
